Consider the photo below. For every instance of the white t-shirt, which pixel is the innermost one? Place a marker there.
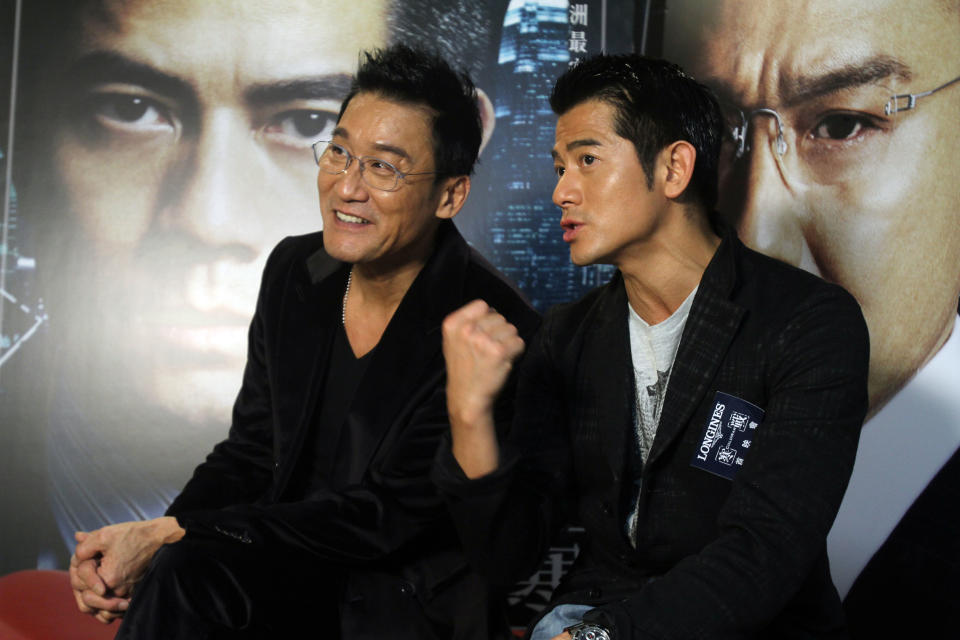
(653, 349)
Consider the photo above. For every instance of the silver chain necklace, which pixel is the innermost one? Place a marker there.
(346, 292)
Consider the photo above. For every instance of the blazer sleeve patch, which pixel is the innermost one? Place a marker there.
(727, 436)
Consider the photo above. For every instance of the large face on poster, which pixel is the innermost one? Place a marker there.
(822, 176)
(181, 149)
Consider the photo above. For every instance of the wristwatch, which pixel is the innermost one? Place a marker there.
(588, 631)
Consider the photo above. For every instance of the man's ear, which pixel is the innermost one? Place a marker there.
(453, 193)
(488, 119)
(680, 158)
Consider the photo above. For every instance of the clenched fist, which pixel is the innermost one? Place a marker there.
(479, 346)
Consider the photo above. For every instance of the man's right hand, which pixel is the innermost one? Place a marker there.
(479, 347)
(108, 563)
(90, 591)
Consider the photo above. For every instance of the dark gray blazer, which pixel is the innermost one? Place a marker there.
(716, 558)
(382, 526)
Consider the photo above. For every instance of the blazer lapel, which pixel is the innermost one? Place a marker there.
(605, 380)
(308, 323)
(711, 326)
(394, 380)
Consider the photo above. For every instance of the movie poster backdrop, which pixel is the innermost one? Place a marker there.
(152, 153)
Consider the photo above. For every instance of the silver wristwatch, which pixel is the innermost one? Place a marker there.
(588, 631)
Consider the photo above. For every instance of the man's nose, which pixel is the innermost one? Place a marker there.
(567, 192)
(349, 185)
(764, 201)
(216, 190)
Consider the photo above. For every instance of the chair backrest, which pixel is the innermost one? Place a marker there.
(39, 605)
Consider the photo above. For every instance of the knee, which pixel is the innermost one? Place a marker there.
(200, 584)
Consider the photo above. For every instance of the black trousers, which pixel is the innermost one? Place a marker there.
(213, 589)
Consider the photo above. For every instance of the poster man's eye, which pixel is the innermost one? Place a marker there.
(841, 126)
(127, 112)
(300, 127)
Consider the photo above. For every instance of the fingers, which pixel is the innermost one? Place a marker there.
(479, 331)
(467, 313)
(78, 586)
(479, 347)
(89, 592)
(106, 617)
(81, 605)
(89, 545)
(502, 335)
(84, 577)
(109, 604)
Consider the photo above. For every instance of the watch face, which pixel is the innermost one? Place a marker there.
(585, 631)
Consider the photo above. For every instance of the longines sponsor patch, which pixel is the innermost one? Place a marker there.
(727, 436)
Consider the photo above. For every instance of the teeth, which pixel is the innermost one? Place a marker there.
(348, 218)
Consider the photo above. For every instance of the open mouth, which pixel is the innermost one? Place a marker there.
(346, 217)
(570, 229)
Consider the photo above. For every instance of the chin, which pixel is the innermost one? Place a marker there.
(586, 259)
(343, 253)
(579, 260)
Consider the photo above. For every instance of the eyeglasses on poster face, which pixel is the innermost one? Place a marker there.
(826, 139)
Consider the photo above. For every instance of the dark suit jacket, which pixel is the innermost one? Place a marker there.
(383, 524)
(915, 574)
(716, 558)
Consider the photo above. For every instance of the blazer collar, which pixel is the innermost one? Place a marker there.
(433, 294)
(606, 375)
(396, 372)
(713, 322)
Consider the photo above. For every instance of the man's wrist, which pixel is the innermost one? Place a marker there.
(169, 530)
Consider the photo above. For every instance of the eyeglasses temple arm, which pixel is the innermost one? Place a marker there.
(897, 104)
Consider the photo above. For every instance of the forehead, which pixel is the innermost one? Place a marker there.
(589, 121)
(217, 44)
(756, 49)
(373, 124)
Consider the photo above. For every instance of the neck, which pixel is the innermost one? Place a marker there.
(661, 271)
(372, 289)
(376, 291)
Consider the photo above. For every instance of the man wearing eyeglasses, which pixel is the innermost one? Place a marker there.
(844, 158)
(318, 512)
(163, 149)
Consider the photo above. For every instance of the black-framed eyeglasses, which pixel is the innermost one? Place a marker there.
(379, 174)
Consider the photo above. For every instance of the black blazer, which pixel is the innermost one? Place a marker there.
(716, 558)
(384, 522)
(915, 574)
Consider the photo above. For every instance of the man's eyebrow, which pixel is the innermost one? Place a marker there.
(106, 66)
(580, 142)
(796, 90)
(872, 71)
(395, 150)
(340, 132)
(334, 86)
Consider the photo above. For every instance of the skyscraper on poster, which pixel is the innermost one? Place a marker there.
(540, 39)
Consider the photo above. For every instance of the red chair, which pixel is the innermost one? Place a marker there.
(38, 605)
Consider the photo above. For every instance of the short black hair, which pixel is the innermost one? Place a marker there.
(419, 77)
(656, 104)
